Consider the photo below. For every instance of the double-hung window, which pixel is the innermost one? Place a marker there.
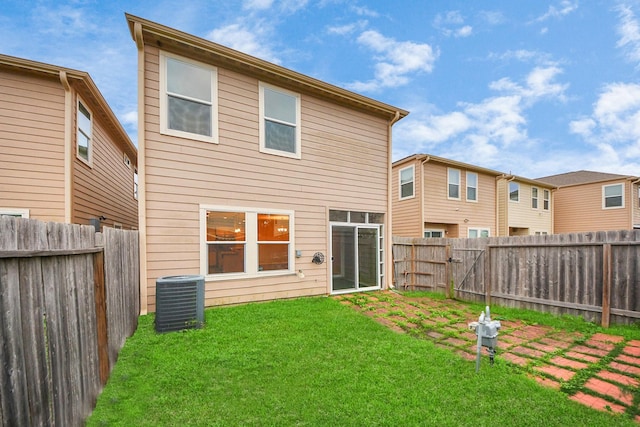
(474, 233)
(472, 187)
(84, 149)
(453, 181)
(612, 196)
(246, 242)
(534, 198)
(188, 94)
(407, 187)
(279, 122)
(546, 201)
(514, 192)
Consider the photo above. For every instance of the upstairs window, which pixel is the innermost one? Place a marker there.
(534, 198)
(546, 200)
(407, 188)
(84, 149)
(453, 181)
(279, 122)
(612, 196)
(514, 191)
(472, 187)
(188, 99)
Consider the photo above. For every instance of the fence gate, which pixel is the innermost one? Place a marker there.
(468, 273)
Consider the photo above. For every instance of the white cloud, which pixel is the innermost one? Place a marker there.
(257, 4)
(365, 11)
(564, 8)
(629, 31)
(540, 82)
(396, 61)
(492, 17)
(347, 28)
(244, 39)
(464, 31)
(451, 23)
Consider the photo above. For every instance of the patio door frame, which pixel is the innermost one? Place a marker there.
(356, 227)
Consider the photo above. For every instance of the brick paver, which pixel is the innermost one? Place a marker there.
(556, 372)
(607, 389)
(597, 402)
(628, 359)
(526, 351)
(548, 382)
(558, 344)
(454, 342)
(514, 358)
(568, 363)
(619, 378)
(590, 350)
(582, 356)
(634, 343)
(627, 369)
(606, 338)
(542, 347)
(631, 350)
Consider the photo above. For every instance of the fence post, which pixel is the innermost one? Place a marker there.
(606, 284)
(449, 289)
(101, 315)
(487, 275)
(413, 266)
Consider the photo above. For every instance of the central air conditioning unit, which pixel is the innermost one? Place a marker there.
(179, 303)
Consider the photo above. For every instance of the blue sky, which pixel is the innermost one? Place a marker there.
(532, 87)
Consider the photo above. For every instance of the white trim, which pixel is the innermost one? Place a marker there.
(546, 197)
(126, 160)
(413, 183)
(431, 230)
(164, 114)
(18, 212)
(621, 195)
(90, 147)
(479, 230)
(261, 118)
(449, 183)
(467, 186)
(537, 198)
(251, 243)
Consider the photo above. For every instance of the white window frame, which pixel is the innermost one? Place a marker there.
(604, 205)
(479, 231)
(126, 160)
(432, 230)
(17, 212)
(298, 126)
(535, 198)
(164, 102)
(413, 182)
(251, 243)
(136, 187)
(449, 183)
(517, 200)
(546, 200)
(89, 160)
(467, 175)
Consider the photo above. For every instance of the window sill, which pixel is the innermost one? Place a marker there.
(243, 276)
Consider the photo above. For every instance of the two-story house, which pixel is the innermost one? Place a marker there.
(595, 201)
(267, 182)
(437, 197)
(64, 156)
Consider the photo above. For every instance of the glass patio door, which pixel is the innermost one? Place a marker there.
(354, 258)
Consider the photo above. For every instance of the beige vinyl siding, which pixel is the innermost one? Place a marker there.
(105, 188)
(579, 208)
(407, 214)
(502, 197)
(522, 216)
(31, 145)
(439, 209)
(635, 205)
(343, 166)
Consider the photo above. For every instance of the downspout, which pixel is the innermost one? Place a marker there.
(142, 202)
(508, 178)
(68, 146)
(631, 201)
(389, 220)
(422, 198)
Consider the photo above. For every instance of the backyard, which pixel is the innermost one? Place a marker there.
(342, 361)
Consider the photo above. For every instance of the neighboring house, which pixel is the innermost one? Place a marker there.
(268, 183)
(595, 201)
(64, 156)
(437, 197)
(524, 206)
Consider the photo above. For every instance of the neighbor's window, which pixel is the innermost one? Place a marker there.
(279, 121)
(534, 198)
(19, 213)
(453, 181)
(472, 186)
(188, 98)
(612, 196)
(546, 199)
(478, 232)
(84, 149)
(407, 188)
(514, 191)
(433, 233)
(135, 184)
(246, 243)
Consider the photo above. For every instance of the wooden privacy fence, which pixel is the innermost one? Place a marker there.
(68, 300)
(594, 275)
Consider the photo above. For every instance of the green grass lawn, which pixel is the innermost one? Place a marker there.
(315, 362)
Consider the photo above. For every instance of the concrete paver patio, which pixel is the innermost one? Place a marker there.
(598, 370)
